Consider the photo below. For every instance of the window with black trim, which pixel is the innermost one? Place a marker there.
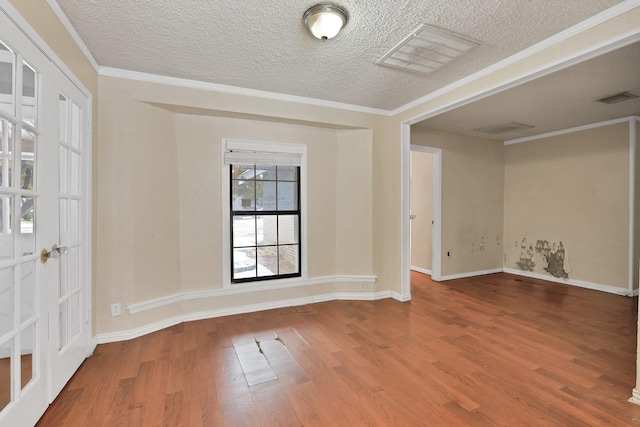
(265, 222)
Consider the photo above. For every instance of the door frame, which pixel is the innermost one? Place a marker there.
(436, 208)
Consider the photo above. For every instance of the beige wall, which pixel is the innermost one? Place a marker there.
(354, 201)
(574, 189)
(472, 200)
(386, 151)
(422, 207)
(161, 226)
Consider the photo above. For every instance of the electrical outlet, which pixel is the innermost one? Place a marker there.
(115, 309)
(362, 287)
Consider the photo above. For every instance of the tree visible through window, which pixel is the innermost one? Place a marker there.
(265, 222)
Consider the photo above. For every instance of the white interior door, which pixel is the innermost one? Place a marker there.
(68, 277)
(44, 329)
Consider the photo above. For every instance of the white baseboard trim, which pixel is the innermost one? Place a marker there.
(470, 274)
(635, 397)
(421, 270)
(93, 343)
(241, 289)
(153, 327)
(573, 282)
(400, 297)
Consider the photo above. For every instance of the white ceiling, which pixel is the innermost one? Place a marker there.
(573, 91)
(263, 45)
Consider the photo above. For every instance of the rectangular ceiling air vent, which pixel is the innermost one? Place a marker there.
(618, 97)
(427, 49)
(506, 128)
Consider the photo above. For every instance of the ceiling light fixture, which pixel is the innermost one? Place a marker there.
(325, 20)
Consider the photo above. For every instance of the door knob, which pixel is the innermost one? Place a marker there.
(53, 253)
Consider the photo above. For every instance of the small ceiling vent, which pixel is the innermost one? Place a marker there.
(618, 97)
(506, 128)
(427, 49)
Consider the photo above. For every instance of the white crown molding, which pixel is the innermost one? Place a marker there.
(53, 4)
(250, 287)
(294, 302)
(235, 90)
(571, 130)
(470, 274)
(587, 24)
(579, 283)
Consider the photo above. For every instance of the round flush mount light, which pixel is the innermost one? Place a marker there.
(325, 20)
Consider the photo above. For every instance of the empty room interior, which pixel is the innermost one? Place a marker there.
(419, 213)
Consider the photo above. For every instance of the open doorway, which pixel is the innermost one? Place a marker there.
(436, 210)
(421, 210)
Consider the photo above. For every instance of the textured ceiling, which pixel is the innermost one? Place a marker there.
(263, 45)
(572, 91)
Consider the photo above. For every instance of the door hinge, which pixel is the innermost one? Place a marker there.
(88, 316)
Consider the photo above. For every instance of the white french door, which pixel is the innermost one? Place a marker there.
(67, 278)
(44, 324)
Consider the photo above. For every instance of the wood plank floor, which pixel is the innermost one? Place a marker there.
(497, 350)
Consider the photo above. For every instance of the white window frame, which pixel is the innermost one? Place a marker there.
(261, 149)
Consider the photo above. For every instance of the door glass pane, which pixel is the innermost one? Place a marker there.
(62, 170)
(63, 115)
(63, 223)
(6, 362)
(29, 77)
(27, 234)
(28, 291)
(26, 355)
(6, 300)
(63, 325)
(73, 272)
(64, 275)
(75, 126)
(7, 81)
(6, 236)
(75, 173)
(74, 224)
(74, 320)
(27, 161)
(6, 153)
